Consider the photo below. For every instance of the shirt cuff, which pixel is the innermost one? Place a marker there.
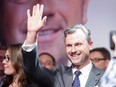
(30, 47)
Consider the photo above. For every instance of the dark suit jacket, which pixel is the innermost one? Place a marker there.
(62, 76)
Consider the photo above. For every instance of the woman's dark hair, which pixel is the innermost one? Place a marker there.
(16, 59)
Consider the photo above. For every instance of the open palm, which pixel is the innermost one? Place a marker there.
(35, 21)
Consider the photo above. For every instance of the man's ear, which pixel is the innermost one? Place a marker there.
(85, 6)
(107, 62)
(91, 44)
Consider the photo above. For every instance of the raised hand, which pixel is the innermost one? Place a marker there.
(34, 23)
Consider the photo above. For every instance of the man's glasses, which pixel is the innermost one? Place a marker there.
(97, 59)
(6, 58)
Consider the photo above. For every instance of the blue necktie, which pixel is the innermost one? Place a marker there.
(76, 82)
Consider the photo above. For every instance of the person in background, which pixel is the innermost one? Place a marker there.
(47, 61)
(2, 53)
(13, 69)
(61, 14)
(100, 57)
(109, 77)
(77, 43)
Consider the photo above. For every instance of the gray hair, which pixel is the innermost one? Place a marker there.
(73, 29)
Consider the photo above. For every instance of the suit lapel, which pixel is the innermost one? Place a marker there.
(68, 78)
(64, 77)
(94, 77)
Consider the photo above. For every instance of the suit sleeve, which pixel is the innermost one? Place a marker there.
(38, 74)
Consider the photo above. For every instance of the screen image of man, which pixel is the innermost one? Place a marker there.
(61, 14)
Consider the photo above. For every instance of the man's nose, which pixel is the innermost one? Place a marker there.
(73, 50)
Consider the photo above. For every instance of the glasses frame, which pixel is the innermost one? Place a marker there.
(6, 58)
(96, 60)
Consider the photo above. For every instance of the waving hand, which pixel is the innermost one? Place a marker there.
(34, 23)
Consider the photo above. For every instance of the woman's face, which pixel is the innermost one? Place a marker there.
(8, 65)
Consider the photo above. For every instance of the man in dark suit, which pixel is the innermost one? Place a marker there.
(78, 44)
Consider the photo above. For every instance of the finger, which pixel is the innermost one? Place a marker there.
(28, 13)
(34, 10)
(42, 24)
(37, 9)
(41, 11)
(44, 21)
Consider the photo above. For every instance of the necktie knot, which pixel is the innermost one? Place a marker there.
(76, 82)
(77, 73)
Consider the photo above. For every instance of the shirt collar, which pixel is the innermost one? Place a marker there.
(85, 70)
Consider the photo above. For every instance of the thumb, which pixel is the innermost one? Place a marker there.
(44, 21)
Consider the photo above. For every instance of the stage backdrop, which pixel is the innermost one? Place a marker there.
(101, 20)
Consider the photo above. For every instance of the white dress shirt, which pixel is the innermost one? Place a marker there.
(84, 74)
(29, 47)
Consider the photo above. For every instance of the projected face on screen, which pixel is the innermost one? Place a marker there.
(61, 14)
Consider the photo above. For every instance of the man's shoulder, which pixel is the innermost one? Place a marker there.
(97, 70)
(62, 68)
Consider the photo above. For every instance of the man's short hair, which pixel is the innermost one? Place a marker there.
(73, 29)
(103, 51)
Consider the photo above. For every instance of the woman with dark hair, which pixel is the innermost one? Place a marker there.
(14, 74)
